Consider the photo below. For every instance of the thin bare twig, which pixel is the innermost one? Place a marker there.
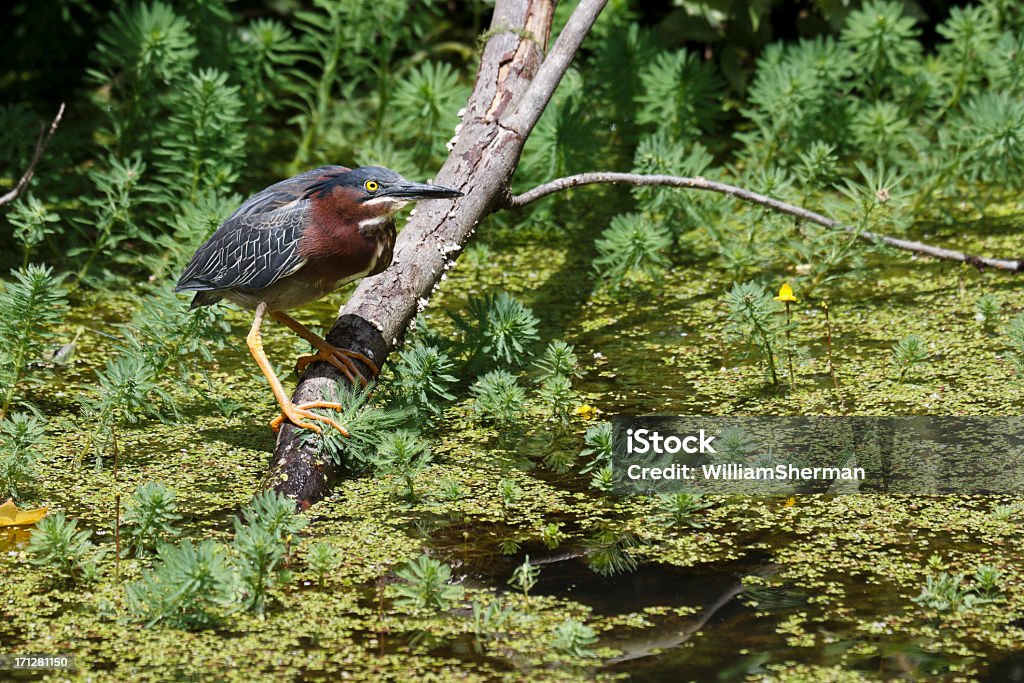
(541, 191)
(41, 142)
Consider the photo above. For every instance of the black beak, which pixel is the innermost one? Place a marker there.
(411, 191)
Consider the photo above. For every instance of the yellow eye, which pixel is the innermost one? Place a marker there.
(371, 186)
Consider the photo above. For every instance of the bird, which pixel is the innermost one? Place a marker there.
(297, 241)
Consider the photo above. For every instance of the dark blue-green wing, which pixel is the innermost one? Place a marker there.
(259, 244)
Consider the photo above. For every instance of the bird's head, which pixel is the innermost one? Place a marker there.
(376, 190)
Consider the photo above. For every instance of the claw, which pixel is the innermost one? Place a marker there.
(342, 360)
(296, 414)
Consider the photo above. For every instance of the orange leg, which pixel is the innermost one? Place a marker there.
(296, 414)
(339, 358)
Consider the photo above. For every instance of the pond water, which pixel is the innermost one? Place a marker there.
(814, 588)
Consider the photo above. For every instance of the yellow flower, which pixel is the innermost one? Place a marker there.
(10, 515)
(586, 412)
(791, 502)
(785, 293)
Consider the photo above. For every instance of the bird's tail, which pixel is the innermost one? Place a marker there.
(204, 299)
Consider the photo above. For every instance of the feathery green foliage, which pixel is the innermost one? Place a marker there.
(426, 585)
(678, 508)
(202, 142)
(64, 550)
(31, 220)
(322, 559)
(498, 328)
(559, 358)
(1015, 339)
(21, 436)
(525, 578)
(907, 353)
(423, 376)
(574, 638)
(32, 305)
(192, 586)
(150, 518)
(632, 247)
(405, 455)
(680, 95)
(753, 317)
(498, 398)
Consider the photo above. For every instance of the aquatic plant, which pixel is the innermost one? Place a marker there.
(988, 581)
(489, 621)
(141, 49)
(987, 309)
(63, 550)
(603, 479)
(149, 518)
(426, 585)
(31, 220)
(786, 296)
(32, 304)
(598, 450)
(597, 446)
(525, 577)
(112, 220)
(21, 436)
(631, 248)
(424, 106)
(498, 398)
(752, 318)
(259, 556)
(678, 211)
(364, 418)
(607, 550)
(322, 558)
(677, 509)
(275, 513)
(423, 376)
(176, 343)
(551, 535)
(509, 494)
(264, 535)
(559, 359)
(202, 140)
(405, 455)
(1005, 512)
(452, 490)
(1015, 340)
(191, 586)
(126, 391)
(574, 638)
(556, 395)
(497, 330)
(678, 94)
(944, 592)
(907, 353)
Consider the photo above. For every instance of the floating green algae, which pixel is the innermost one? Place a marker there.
(759, 586)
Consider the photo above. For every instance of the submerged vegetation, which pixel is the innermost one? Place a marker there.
(476, 532)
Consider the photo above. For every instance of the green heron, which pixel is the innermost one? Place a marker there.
(293, 243)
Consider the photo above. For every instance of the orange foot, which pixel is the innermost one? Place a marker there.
(341, 359)
(295, 414)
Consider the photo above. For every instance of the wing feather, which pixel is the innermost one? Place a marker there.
(259, 243)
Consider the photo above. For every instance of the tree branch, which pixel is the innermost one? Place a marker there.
(549, 75)
(636, 179)
(513, 83)
(41, 142)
